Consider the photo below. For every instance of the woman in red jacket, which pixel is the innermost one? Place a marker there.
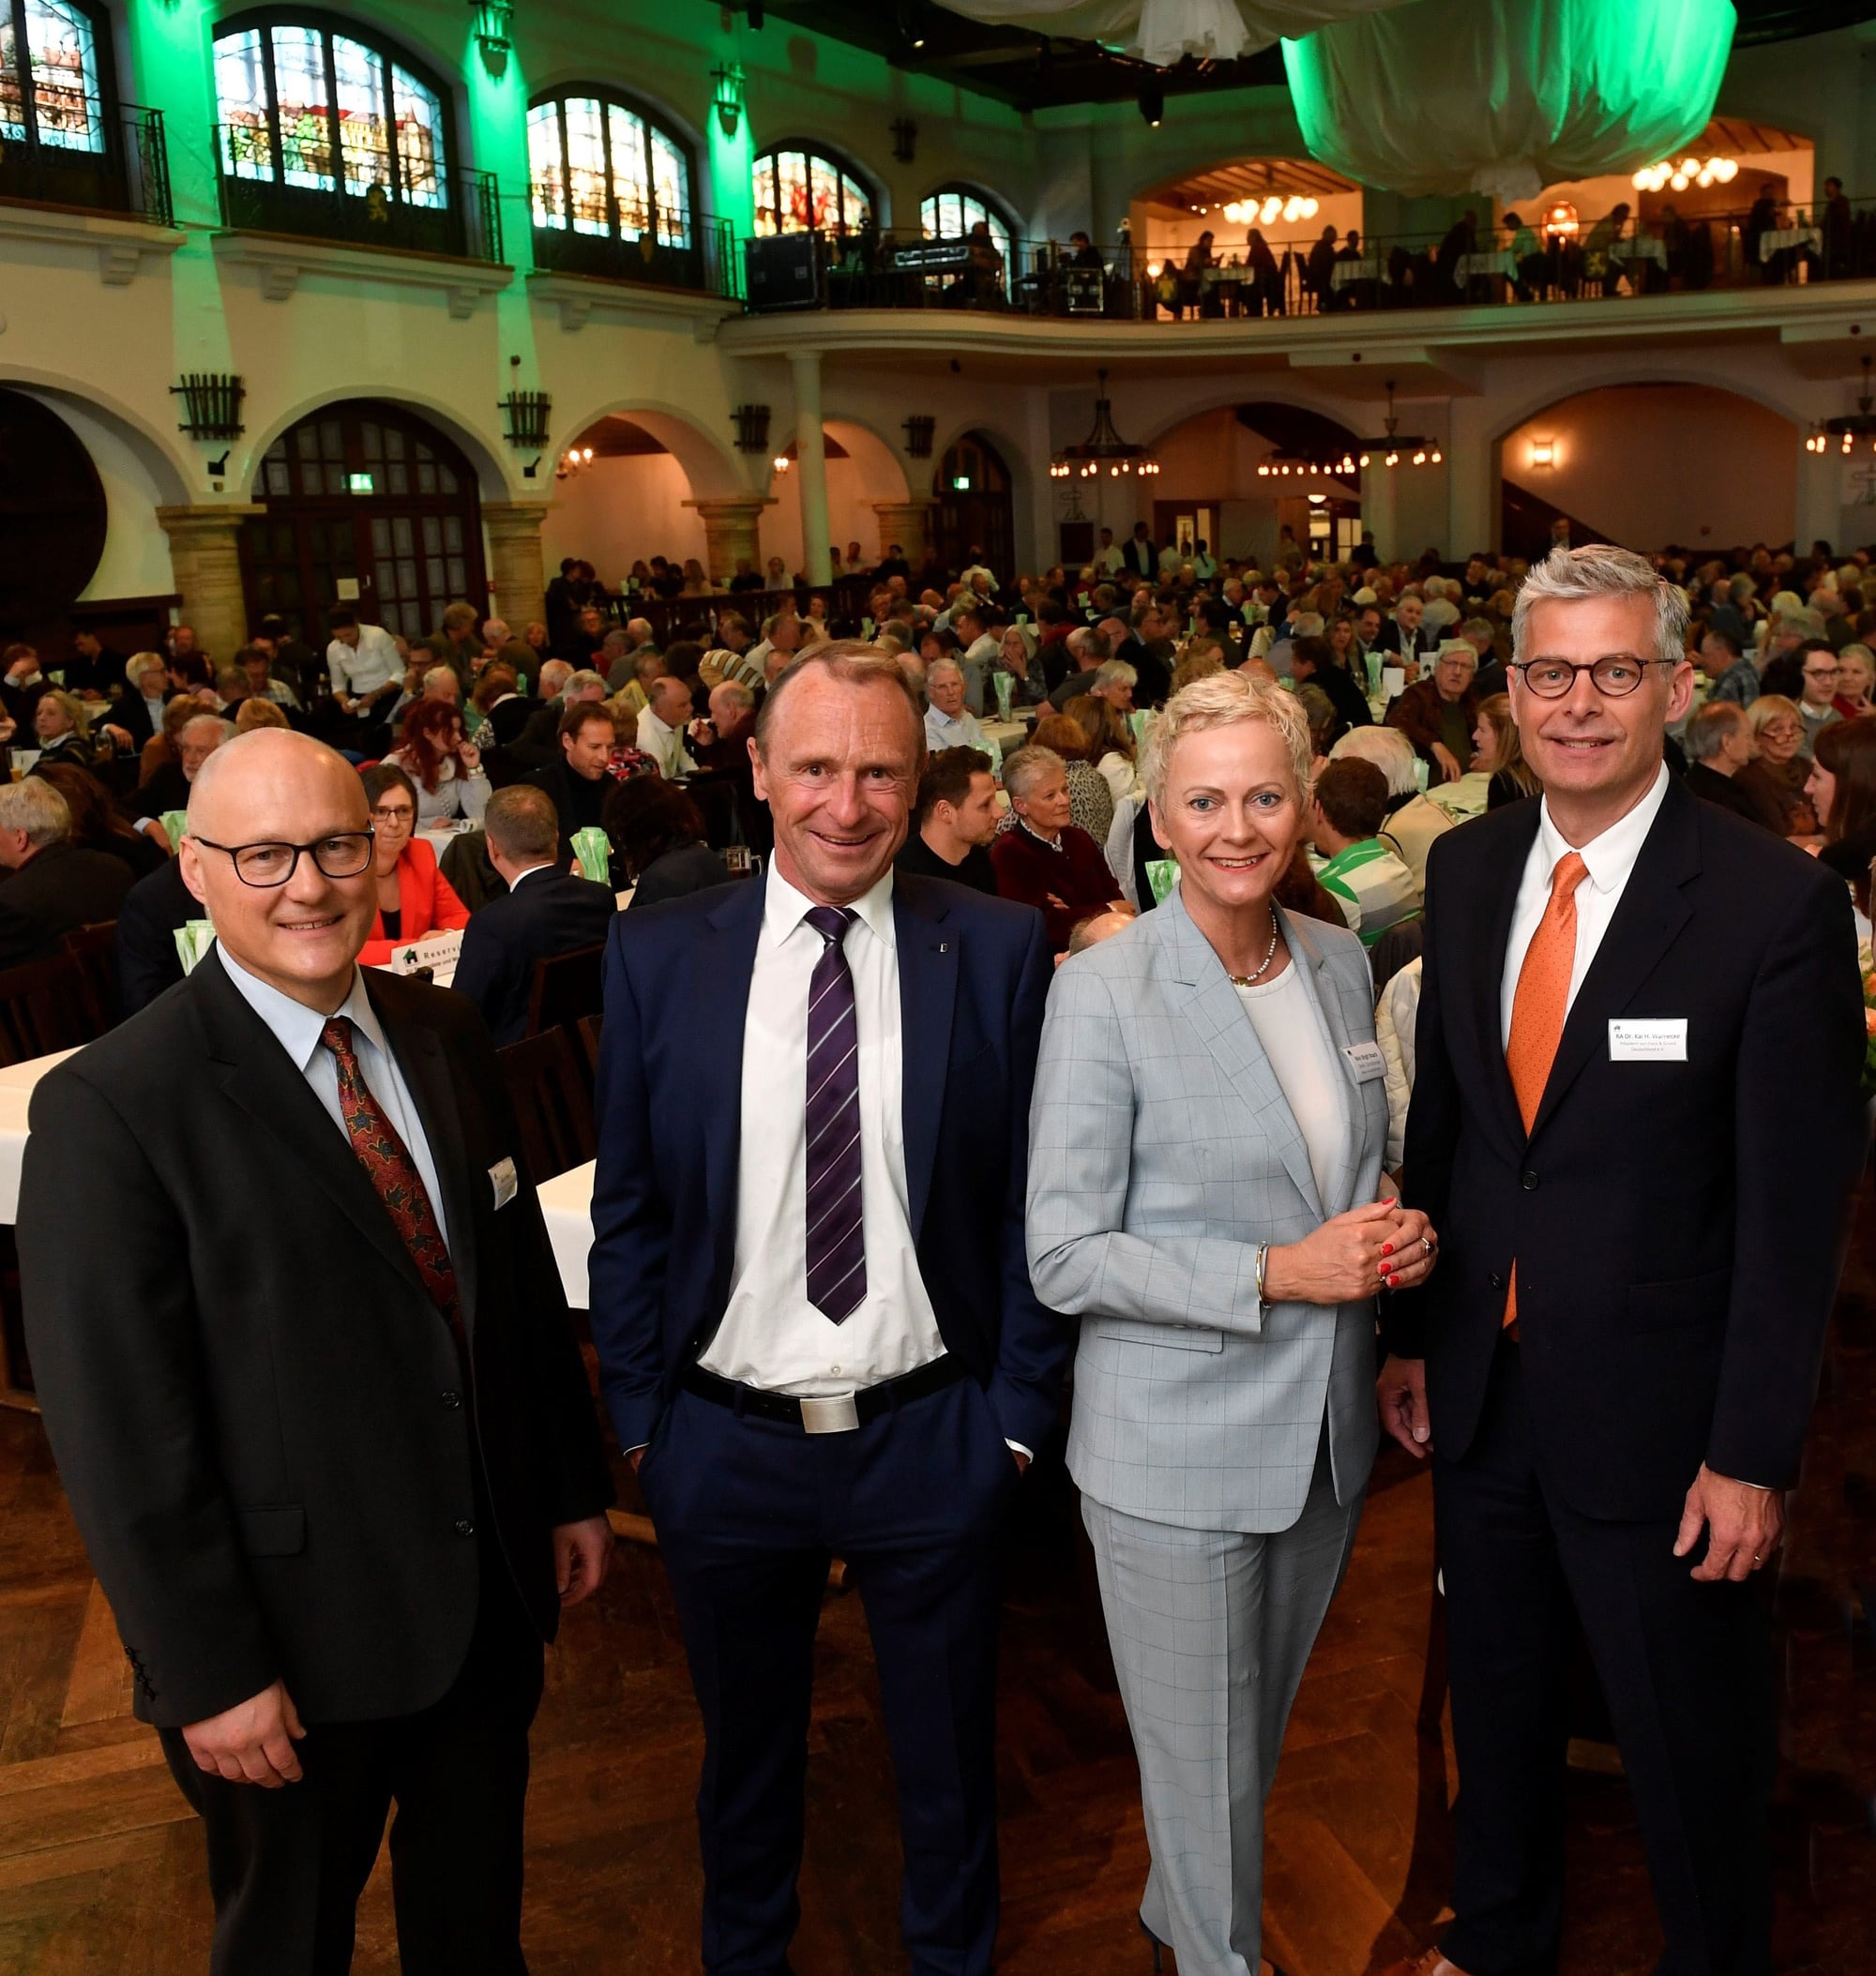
(1042, 860)
(414, 897)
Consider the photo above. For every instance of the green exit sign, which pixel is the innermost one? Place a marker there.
(961, 483)
(361, 483)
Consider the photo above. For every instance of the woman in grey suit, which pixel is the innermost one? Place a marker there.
(1206, 1147)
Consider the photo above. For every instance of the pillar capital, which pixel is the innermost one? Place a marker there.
(731, 532)
(907, 523)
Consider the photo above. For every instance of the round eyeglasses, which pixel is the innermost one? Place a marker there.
(1616, 677)
(344, 854)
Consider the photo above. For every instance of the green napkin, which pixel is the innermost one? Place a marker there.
(1139, 719)
(175, 822)
(194, 938)
(593, 850)
(1004, 684)
(1162, 874)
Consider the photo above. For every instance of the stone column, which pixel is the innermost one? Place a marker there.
(909, 524)
(730, 531)
(811, 448)
(517, 582)
(206, 566)
(1377, 505)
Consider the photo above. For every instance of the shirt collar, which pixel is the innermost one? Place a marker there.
(297, 1028)
(1610, 857)
(785, 908)
(1053, 843)
(531, 871)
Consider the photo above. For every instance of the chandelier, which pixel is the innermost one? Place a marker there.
(1678, 175)
(1103, 448)
(1392, 446)
(1289, 208)
(1848, 430)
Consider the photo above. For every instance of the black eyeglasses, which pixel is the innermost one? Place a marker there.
(344, 854)
(1616, 677)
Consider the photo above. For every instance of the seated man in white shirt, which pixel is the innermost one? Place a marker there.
(661, 727)
(363, 665)
(948, 722)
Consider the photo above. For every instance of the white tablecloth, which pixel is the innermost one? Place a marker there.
(1646, 248)
(1344, 272)
(16, 1094)
(1502, 260)
(1779, 238)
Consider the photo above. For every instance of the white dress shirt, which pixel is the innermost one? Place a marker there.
(372, 663)
(943, 730)
(1610, 858)
(665, 745)
(297, 1029)
(771, 1336)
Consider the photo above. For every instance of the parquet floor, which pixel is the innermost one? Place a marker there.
(101, 1864)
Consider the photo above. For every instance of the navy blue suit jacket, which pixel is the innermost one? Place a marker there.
(974, 974)
(549, 913)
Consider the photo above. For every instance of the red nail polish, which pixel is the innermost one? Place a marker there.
(1386, 1249)
(1393, 1282)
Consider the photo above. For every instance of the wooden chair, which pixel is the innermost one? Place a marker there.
(93, 953)
(553, 1097)
(44, 1006)
(566, 987)
(587, 1030)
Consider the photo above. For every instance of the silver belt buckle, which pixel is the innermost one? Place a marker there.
(835, 1414)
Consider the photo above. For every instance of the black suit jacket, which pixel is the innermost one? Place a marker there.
(259, 1416)
(147, 922)
(1712, 786)
(54, 894)
(1395, 638)
(549, 913)
(1142, 558)
(1677, 1227)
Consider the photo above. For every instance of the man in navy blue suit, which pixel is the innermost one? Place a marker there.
(810, 1301)
(544, 912)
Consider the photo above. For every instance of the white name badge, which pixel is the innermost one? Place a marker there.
(1366, 1061)
(507, 1184)
(1649, 1039)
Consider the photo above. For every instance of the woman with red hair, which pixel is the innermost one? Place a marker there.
(445, 765)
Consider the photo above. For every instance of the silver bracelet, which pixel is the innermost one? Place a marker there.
(1263, 1257)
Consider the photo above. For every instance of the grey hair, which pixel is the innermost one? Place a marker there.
(33, 806)
(943, 665)
(738, 694)
(142, 662)
(580, 681)
(1115, 672)
(1307, 624)
(1224, 700)
(854, 663)
(1028, 766)
(1710, 727)
(1601, 570)
(1085, 638)
(1390, 752)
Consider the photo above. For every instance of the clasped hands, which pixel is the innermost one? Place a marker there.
(1379, 1245)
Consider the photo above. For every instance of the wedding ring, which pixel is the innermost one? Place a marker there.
(1427, 1244)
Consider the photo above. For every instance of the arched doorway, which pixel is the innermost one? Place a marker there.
(368, 505)
(53, 517)
(975, 516)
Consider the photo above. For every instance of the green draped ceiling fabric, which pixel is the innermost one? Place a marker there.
(1502, 98)
(1163, 31)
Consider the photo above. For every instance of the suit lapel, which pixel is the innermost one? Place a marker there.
(426, 1070)
(1218, 1015)
(259, 1076)
(1493, 905)
(1647, 922)
(720, 988)
(927, 985)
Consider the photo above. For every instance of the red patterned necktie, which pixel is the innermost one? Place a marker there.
(392, 1171)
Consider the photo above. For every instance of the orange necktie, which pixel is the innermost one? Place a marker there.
(1538, 1007)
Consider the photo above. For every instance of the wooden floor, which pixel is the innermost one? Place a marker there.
(100, 1863)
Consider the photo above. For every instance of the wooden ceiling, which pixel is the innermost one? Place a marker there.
(1251, 178)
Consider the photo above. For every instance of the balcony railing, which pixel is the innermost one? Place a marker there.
(707, 264)
(129, 177)
(464, 221)
(1119, 281)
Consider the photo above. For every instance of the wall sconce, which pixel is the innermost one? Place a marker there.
(919, 431)
(780, 462)
(729, 98)
(211, 405)
(904, 140)
(494, 27)
(1543, 452)
(751, 429)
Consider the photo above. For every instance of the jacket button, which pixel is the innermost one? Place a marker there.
(452, 1398)
(1496, 1281)
(1528, 1180)
(465, 1527)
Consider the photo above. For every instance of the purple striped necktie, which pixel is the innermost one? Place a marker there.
(837, 1249)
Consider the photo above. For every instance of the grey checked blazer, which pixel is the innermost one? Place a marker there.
(1162, 1152)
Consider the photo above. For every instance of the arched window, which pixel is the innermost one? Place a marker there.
(348, 134)
(601, 166)
(799, 190)
(51, 93)
(952, 211)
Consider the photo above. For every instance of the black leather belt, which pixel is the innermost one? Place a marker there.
(838, 1414)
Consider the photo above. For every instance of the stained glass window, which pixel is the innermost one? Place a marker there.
(797, 190)
(49, 76)
(599, 166)
(952, 211)
(327, 112)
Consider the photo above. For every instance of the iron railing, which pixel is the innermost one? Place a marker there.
(129, 174)
(707, 262)
(1119, 281)
(465, 220)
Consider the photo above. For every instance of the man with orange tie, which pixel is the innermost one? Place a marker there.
(1634, 1006)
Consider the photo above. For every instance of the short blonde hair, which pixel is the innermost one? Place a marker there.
(1224, 700)
(1769, 707)
(255, 712)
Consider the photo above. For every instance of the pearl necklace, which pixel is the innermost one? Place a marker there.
(1269, 954)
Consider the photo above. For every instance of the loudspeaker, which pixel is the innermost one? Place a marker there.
(778, 271)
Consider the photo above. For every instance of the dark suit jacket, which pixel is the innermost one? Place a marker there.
(147, 922)
(259, 1416)
(1395, 638)
(549, 913)
(1712, 786)
(134, 715)
(54, 894)
(1142, 558)
(559, 782)
(1676, 1263)
(973, 975)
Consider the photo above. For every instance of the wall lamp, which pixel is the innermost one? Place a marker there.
(729, 98)
(494, 30)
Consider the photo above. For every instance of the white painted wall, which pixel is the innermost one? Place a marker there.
(620, 510)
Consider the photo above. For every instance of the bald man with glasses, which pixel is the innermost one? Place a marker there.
(326, 1433)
